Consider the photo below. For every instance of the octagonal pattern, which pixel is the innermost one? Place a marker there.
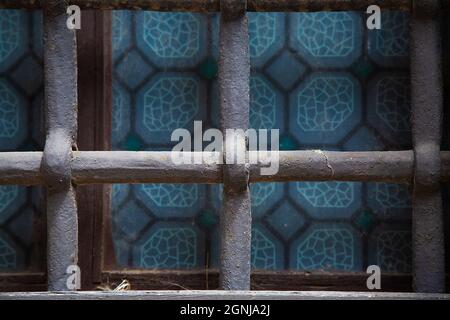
(7, 256)
(266, 110)
(391, 250)
(309, 72)
(262, 195)
(7, 195)
(13, 28)
(169, 102)
(12, 117)
(327, 39)
(21, 129)
(327, 194)
(265, 251)
(171, 39)
(389, 107)
(392, 195)
(327, 199)
(9, 113)
(12, 198)
(121, 32)
(171, 200)
(120, 113)
(329, 247)
(393, 103)
(390, 200)
(169, 247)
(325, 107)
(389, 46)
(264, 40)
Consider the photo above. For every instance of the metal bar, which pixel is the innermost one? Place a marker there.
(427, 100)
(60, 69)
(157, 167)
(21, 168)
(90, 167)
(214, 5)
(220, 295)
(234, 85)
(139, 167)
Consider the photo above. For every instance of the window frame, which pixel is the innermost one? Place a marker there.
(93, 200)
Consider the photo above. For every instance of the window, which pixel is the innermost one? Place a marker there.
(322, 78)
(332, 86)
(22, 247)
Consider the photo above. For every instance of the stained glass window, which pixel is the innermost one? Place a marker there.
(21, 129)
(323, 79)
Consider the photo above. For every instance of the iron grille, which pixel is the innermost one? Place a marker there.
(60, 167)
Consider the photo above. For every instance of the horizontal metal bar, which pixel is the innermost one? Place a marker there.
(317, 165)
(23, 168)
(220, 295)
(157, 167)
(214, 5)
(139, 167)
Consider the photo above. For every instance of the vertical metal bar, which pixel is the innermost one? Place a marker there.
(60, 69)
(427, 99)
(234, 74)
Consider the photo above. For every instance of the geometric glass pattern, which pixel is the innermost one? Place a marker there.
(327, 194)
(330, 247)
(324, 115)
(323, 80)
(169, 248)
(263, 251)
(393, 250)
(21, 129)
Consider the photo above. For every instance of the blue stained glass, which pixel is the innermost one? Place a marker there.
(321, 79)
(21, 129)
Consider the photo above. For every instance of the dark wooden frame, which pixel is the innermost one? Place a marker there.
(94, 118)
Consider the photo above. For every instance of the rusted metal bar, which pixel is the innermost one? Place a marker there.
(234, 85)
(90, 167)
(60, 70)
(427, 100)
(214, 5)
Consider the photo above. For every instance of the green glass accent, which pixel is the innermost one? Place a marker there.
(133, 143)
(363, 68)
(209, 69)
(365, 221)
(288, 143)
(207, 219)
